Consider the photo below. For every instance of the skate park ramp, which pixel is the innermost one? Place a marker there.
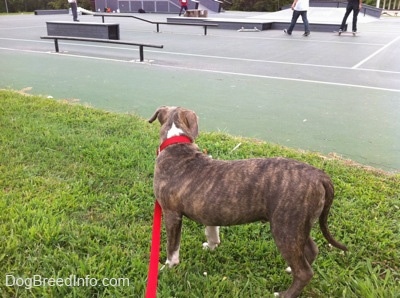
(321, 19)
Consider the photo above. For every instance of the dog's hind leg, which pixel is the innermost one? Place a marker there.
(292, 246)
(173, 226)
(212, 234)
(301, 273)
(311, 252)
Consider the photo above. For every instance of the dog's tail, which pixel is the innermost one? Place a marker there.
(323, 218)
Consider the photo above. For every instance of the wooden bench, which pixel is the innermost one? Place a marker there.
(83, 29)
(196, 13)
(140, 45)
(205, 25)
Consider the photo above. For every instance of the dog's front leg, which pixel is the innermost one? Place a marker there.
(212, 234)
(173, 226)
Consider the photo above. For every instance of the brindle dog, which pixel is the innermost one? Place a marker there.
(289, 194)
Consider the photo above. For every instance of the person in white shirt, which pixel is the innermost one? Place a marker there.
(299, 8)
(74, 8)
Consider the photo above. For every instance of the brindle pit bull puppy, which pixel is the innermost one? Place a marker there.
(289, 194)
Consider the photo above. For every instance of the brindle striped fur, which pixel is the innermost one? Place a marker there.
(289, 194)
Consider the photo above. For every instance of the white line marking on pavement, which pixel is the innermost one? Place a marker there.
(376, 53)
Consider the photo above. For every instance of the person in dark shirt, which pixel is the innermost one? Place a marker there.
(355, 6)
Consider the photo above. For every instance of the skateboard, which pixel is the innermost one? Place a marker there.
(346, 33)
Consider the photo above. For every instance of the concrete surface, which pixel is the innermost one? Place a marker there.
(322, 93)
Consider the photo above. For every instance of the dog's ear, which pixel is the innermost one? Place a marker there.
(161, 114)
(190, 120)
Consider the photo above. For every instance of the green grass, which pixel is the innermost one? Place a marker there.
(76, 199)
(16, 13)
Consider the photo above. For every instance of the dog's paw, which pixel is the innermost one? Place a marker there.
(206, 246)
(209, 246)
(171, 264)
(173, 260)
(276, 294)
(288, 270)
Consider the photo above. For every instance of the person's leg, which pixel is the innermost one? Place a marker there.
(295, 16)
(74, 9)
(305, 22)
(180, 12)
(349, 8)
(356, 10)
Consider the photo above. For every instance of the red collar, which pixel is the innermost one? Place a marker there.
(173, 140)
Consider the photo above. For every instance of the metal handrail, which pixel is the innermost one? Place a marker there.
(127, 15)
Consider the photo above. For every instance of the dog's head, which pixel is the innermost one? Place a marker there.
(176, 121)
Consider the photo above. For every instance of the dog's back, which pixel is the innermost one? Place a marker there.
(214, 192)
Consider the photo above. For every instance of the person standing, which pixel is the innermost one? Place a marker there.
(355, 6)
(299, 8)
(184, 6)
(74, 9)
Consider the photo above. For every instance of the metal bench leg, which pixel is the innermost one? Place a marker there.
(56, 44)
(158, 27)
(141, 53)
(205, 29)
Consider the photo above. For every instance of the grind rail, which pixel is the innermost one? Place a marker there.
(140, 45)
(127, 15)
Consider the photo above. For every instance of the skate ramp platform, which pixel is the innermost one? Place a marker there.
(321, 19)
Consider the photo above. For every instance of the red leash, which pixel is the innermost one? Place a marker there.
(152, 276)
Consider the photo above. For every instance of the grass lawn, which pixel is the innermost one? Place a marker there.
(76, 203)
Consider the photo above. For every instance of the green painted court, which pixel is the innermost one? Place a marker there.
(325, 93)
